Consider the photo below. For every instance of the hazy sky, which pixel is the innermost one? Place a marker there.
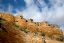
(39, 10)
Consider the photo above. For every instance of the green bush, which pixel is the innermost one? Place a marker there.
(17, 26)
(25, 30)
(60, 38)
(2, 21)
(43, 34)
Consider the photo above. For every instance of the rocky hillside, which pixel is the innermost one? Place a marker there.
(16, 29)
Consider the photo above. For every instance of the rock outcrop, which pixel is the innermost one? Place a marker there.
(16, 29)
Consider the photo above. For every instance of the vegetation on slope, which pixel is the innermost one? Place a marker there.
(18, 30)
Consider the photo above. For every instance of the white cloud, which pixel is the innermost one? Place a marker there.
(55, 14)
(62, 28)
(32, 11)
(10, 8)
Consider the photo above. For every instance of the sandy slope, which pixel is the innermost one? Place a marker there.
(63, 32)
(52, 41)
(13, 35)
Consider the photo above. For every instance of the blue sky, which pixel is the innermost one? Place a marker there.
(17, 4)
(38, 10)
